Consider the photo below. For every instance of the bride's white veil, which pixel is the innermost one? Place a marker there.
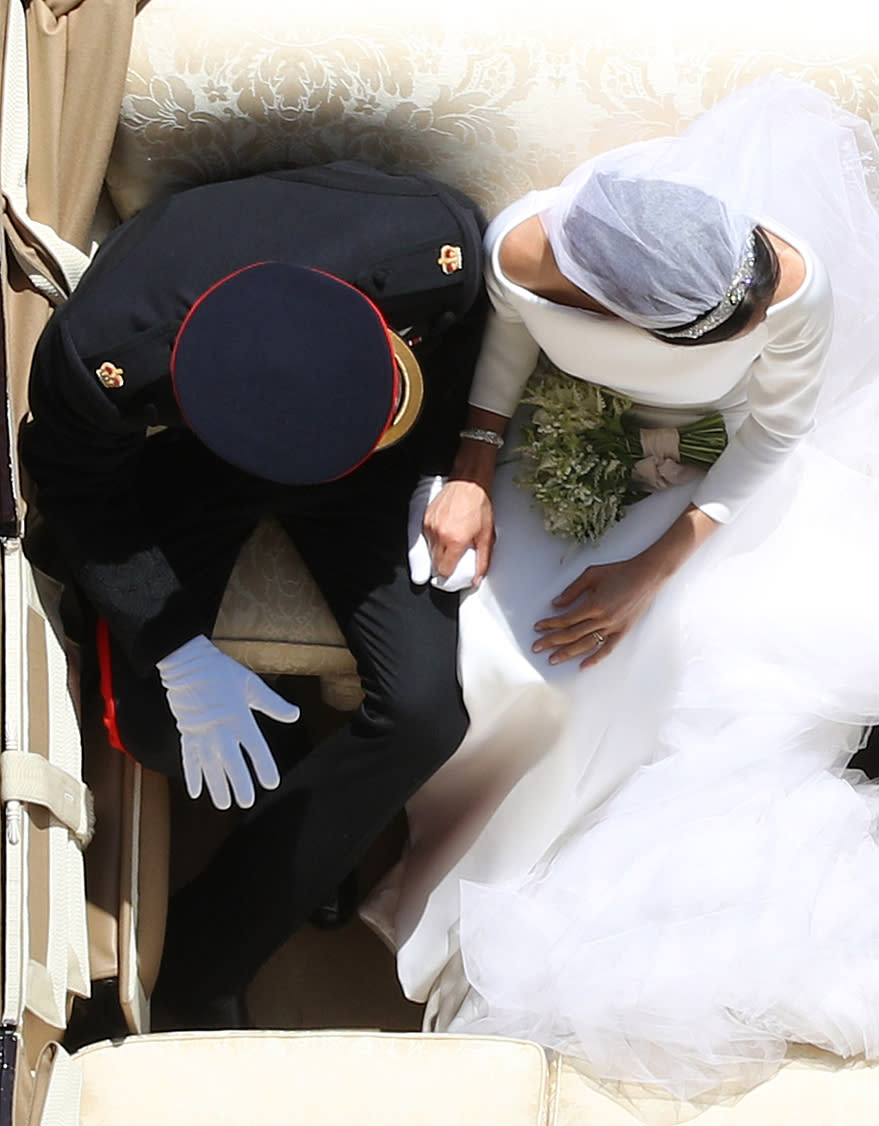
(781, 150)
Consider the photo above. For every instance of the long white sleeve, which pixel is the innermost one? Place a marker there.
(509, 348)
(782, 392)
(508, 355)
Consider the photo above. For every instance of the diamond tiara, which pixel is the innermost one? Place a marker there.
(742, 281)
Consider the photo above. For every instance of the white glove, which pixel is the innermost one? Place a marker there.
(213, 698)
(420, 559)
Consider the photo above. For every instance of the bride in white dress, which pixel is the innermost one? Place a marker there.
(648, 852)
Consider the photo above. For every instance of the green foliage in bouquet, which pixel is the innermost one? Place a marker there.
(580, 448)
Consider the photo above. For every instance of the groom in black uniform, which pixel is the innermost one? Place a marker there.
(232, 352)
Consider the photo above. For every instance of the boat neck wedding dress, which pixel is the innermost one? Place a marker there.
(661, 864)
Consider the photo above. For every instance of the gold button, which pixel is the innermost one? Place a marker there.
(110, 375)
(451, 259)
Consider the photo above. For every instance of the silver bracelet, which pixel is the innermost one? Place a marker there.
(480, 435)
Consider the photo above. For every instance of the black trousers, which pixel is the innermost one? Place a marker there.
(299, 841)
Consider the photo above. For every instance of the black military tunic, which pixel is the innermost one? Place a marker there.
(149, 523)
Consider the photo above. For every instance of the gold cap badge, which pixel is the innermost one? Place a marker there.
(110, 375)
(450, 259)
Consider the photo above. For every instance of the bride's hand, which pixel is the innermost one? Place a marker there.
(460, 517)
(606, 600)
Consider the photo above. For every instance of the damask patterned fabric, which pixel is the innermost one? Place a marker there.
(496, 97)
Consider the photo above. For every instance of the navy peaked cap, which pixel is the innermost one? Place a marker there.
(286, 372)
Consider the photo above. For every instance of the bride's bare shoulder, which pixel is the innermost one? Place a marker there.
(522, 252)
(792, 268)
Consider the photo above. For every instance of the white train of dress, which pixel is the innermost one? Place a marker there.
(661, 864)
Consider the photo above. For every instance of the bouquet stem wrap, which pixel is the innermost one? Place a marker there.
(586, 460)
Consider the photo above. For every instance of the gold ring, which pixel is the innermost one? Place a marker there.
(599, 637)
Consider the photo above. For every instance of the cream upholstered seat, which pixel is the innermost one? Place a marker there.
(377, 1079)
(274, 619)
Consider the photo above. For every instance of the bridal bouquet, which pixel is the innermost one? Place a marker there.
(583, 453)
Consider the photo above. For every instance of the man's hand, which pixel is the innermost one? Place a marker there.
(460, 520)
(458, 524)
(421, 569)
(213, 699)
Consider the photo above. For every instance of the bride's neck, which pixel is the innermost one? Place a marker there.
(526, 258)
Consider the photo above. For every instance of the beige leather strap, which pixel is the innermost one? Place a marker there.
(16, 826)
(30, 778)
(45, 940)
(57, 1089)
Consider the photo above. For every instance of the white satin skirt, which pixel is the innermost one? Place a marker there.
(660, 864)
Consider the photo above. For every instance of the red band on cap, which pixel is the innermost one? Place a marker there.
(394, 368)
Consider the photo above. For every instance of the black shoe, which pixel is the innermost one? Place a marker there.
(225, 1012)
(338, 907)
(175, 1007)
(98, 1017)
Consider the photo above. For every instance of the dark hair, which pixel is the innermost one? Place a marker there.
(757, 297)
